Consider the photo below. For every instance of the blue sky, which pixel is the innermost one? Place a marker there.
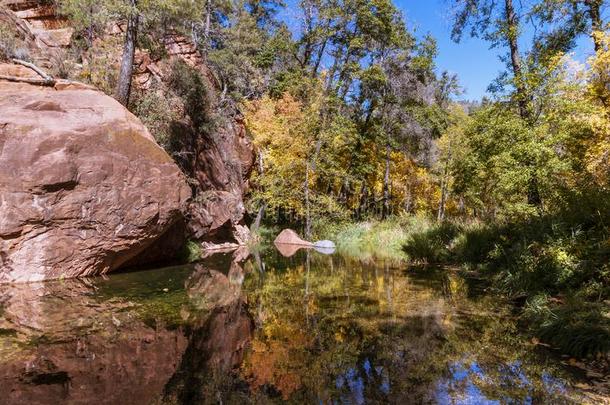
(472, 59)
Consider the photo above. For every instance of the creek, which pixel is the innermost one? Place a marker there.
(264, 328)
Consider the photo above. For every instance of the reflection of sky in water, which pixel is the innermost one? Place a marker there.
(353, 383)
(552, 384)
(460, 388)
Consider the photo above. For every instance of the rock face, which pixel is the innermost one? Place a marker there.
(217, 162)
(220, 161)
(84, 188)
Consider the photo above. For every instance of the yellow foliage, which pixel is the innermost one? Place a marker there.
(598, 148)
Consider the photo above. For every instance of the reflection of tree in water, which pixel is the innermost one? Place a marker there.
(308, 328)
(369, 333)
(150, 338)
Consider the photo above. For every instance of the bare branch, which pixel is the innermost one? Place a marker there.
(38, 82)
(36, 69)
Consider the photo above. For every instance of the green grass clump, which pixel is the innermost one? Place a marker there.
(373, 238)
(579, 328)
(564, 255)
(191, 252)
(433, 244)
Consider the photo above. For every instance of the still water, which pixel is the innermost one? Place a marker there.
(263, 328)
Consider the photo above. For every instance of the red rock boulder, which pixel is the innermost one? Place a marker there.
(84, 188)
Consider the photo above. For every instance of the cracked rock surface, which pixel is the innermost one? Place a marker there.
(84, 188)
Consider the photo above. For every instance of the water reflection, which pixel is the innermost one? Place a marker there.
(289, 249)
(264, 328)
(133, 338)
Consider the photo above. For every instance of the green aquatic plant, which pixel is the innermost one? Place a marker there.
(191, 252)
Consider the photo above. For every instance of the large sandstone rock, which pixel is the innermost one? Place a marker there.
(218, 162)
(290, 237)
(84, 188)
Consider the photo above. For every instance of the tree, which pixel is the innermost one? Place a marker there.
(570, 19)
(88, 17)
(91, 19)
(500, 24)
(451, 151)
(123, 89)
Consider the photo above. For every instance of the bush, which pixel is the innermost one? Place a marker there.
(578, 328)
(432, 245)
(191, 252)
(157, 110)
(11, 45)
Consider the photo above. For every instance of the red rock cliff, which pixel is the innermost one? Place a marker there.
(218, 163)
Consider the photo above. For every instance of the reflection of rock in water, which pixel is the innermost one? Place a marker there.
(288, 250)
(76, 349)
(68, 345)
(217, 344)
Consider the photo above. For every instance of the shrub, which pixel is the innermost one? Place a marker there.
(432, 245)
(11, 45)
(157, 110)
(191, 252)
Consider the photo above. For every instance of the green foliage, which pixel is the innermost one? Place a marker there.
(432, 245)
(502, 155)
(190, 86)
(191, 252)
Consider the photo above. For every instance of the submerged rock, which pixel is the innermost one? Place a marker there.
(326, 247)
(84, 188)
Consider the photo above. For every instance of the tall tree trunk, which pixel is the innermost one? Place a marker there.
(206, 30)
(307, 207)
(386, 183)
(263, 207)
(362, 205)
(319, 57)
(512, 24)
(444, 189)
(259, 217)
(129, 49)
(408, 203)
(597, 26)
(596, 22)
